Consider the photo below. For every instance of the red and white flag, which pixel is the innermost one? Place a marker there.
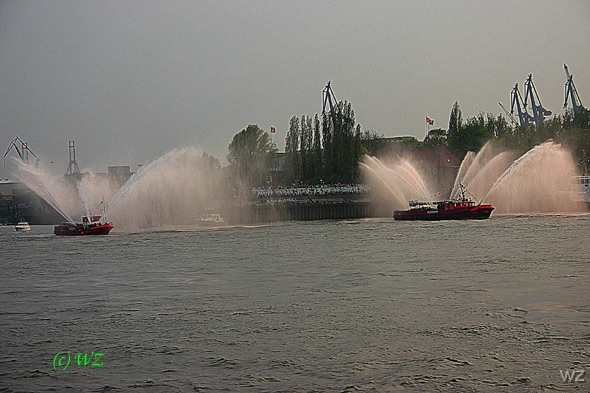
(272, 130)
(430, 121)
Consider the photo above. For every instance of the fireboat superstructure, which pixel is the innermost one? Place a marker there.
(90, 225)
(457, 209)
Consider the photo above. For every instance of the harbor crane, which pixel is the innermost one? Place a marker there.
(539, 112)
(507, 112)
(516, 100)
(571, 92)
(23, 152)
(330, 99)
(73, 168)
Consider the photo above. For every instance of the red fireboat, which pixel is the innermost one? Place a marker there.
(456, 209)
(89, 226)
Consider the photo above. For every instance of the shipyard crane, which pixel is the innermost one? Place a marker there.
(23, 152)
(530, 92)
(73, 168)
(516, 100)
(571, 92)
(507, 112)
(330, 99)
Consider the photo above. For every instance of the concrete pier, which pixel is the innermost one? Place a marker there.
(300, 212)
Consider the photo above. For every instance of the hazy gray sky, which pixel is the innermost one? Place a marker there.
(131, 80)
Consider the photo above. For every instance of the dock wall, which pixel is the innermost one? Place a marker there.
(302, 212)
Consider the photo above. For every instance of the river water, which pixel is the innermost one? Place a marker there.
(328, 306)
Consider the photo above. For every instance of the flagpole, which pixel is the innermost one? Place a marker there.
(272, 131)
(429, 122)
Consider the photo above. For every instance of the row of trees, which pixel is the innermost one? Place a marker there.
(324, 151)
(328, 148)
(572, 129)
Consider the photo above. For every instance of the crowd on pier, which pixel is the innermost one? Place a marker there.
(311, 190)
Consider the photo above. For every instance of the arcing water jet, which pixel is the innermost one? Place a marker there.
(394, 185)
(529, 184)
(534, 182)
(174, 189)
(53, 190)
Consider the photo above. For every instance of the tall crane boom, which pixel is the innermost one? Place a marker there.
(571, 92)
(539, 112)
(516, 100)
(328, 96)
(512, 119)
(23, 152)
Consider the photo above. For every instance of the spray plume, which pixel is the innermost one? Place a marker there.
(531, 183)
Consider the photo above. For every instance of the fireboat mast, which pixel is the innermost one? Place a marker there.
(464, 192)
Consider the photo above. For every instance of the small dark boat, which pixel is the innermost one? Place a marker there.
(456, 209)
(89, 226)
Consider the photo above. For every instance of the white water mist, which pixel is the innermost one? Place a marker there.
(174, 189)
(526, 184)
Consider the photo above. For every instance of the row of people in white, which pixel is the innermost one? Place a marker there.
(333, 189)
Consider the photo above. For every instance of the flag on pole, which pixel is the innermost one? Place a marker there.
(429, 121)
(272, 130)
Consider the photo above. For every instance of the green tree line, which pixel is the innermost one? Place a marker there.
(572, 130)
(329, 147)
(324, 149)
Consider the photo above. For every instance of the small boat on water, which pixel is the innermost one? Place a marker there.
(22, 226)
(580, 190)
(211, 219)
(92, 225)
(456, 209)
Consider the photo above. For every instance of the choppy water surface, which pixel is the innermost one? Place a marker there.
(331, 306)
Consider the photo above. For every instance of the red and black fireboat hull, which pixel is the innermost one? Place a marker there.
(479, 212)
(75, 229)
